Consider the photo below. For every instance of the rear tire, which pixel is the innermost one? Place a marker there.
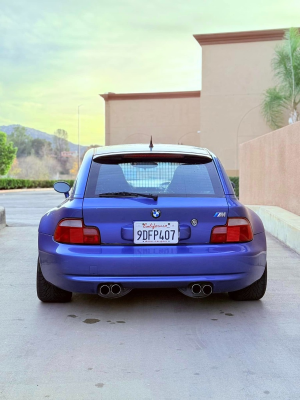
(253, 292)
(49, 293)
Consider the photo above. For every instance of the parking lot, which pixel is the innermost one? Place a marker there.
(151, 344)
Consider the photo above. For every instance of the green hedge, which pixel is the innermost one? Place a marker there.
(9, 183)
(236, 181)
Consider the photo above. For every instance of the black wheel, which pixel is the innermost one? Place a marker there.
(49, 293)
(252, 292)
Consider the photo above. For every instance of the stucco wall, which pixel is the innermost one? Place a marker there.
(270, 169)
(169, 120)
(234, 76)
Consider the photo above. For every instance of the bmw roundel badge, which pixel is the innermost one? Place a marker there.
(155, 213)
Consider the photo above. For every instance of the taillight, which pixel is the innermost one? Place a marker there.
(237, 230)
(73, 231)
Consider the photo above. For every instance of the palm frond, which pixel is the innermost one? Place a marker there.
(293, 38)
(286, 67)
(281, 67)
(292, 35)
(286, 62)
(274, 103)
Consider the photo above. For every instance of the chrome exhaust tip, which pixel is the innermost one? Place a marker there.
(196, 288)
(115, 289)
(112, 290)
(207, 289)
(104, 290)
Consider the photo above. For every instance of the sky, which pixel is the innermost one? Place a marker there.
(58, 54)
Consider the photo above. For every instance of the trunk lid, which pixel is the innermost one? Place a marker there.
(115, 216)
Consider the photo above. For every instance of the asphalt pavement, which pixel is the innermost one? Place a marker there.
(148, 345)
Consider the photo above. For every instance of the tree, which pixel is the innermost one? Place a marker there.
(22, 141)
(286, 94)
(15, 169)
(60, 142)
(7, 154)
(74, 168)
(33, 167)
(91, 146)
(41, 147)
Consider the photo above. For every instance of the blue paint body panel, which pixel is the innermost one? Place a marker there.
(112, 216)
(81, 268)
(70, 208)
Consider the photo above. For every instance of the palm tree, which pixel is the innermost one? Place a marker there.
(286, 94)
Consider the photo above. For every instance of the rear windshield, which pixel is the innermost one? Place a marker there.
(162, 178)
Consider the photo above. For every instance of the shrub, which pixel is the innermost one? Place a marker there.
(236, 181)
(9, 183)
(35, 168)
(7, 154)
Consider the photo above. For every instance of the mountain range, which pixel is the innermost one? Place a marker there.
(34, 133)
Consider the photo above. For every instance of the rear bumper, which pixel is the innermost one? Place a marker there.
(81, 269)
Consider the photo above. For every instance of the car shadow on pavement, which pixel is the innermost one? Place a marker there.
(147, 303)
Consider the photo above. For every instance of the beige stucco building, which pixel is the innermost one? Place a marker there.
(236, 70)
(168, 117)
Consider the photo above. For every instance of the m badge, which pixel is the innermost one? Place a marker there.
(220, 214)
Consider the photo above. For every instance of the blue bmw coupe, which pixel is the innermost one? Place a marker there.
(139, 216)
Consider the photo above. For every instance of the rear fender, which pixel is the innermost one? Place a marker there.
(70, 208)
(237, 209)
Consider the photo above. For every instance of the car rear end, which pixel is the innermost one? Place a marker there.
(145, 218)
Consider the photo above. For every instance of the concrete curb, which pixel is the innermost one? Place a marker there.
(2, 218)
(282, 224)
(4, 191)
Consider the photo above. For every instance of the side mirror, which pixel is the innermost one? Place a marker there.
(232, 184)
(62, 187)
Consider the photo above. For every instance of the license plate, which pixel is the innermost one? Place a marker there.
(155, 232)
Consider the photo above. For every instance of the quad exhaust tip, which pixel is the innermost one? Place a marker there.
(104, 290)
(207, 289)
(201, 289)
(196, 288)
(115, 288)
(112, 290)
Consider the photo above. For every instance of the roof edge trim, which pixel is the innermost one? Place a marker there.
(240, 37)
(149, 96)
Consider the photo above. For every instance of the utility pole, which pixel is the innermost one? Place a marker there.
(78, 135)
